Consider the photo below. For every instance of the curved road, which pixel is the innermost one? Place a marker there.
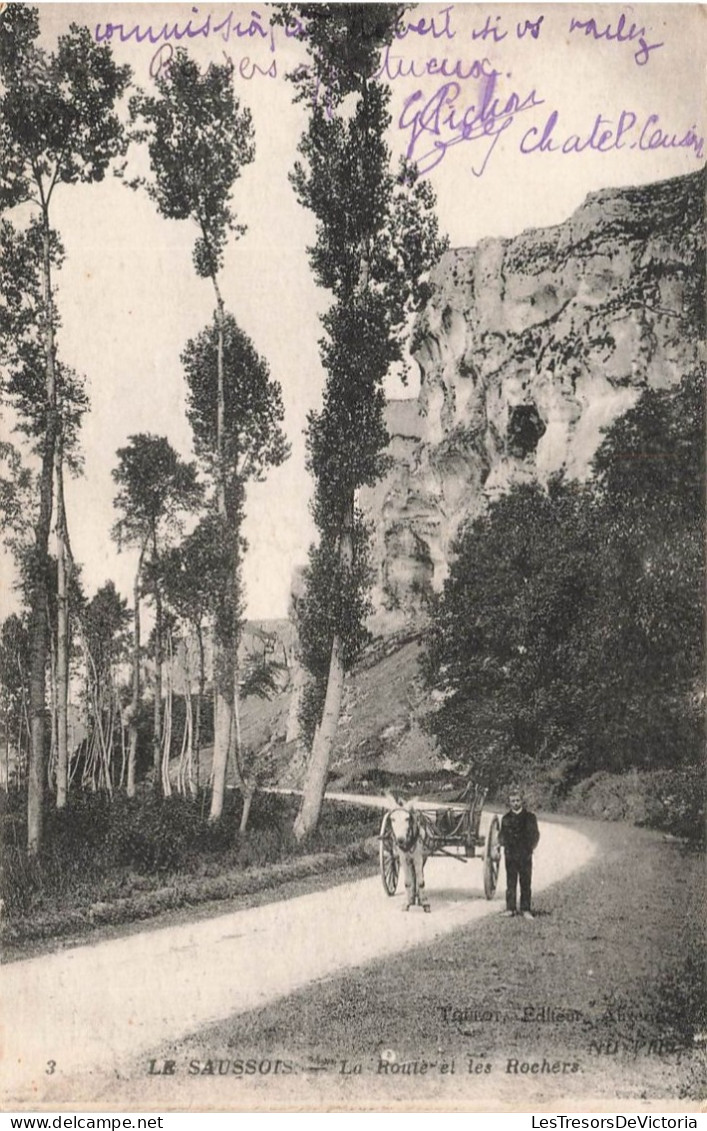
(95, 1007)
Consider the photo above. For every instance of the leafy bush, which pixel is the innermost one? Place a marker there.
(670, 800)
(20, 880)
(152, 834)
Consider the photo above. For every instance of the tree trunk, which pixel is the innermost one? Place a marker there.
(322, 747)
(199, 700)
(186, 757)
(39, 593)
(188, 744)
(297, 685)
(20, 753)
(135, 701)
(223, 734)
(318, 766)
(223, 659)
(123, 751)
(7, 751)
(157, 724)
(23, 766)
(62, 637)
(167, 729)
(248, 795)
(238, 744)
(106, 746)
(214, 699)
(51, 764)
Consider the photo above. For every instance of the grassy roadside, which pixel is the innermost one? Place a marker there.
(182, 903)
(608, 984)
(114, 885)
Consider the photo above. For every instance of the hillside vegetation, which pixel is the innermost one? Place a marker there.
(569, 637)
(566, 649)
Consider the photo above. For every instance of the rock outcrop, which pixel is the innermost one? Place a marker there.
(528, 349)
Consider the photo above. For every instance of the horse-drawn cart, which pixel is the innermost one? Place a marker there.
(448, 828)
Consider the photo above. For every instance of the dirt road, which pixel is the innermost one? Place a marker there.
(93, 1008)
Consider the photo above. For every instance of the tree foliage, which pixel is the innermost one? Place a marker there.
(198, 139)
(23, 316)
(193, 572)
(18, 500)
(105, 621)
(344, 42)
(155, 487)
(569, 636)
(376, 238)
(253, 440)
(57, 117)
(335, 599)
(22, 313)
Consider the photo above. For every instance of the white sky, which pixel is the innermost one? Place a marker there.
(129, 298)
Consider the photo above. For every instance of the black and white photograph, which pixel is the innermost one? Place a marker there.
(352, 517)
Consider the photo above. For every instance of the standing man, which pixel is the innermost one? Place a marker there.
(519, 838)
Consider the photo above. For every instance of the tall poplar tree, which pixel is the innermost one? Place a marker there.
(58, 126)
(237, 445)
(377, 237)
(198, 139)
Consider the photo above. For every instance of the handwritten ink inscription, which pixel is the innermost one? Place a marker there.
(464, 98)
(197, 28)
(623, 32)
(440, 26)
(444, 120)
(608, 133)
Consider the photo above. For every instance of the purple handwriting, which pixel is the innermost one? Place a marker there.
(395, 67)
(204, 28)
(608, 134)
(245, 67)
(438, 26)
(529, 27)
(490, 30)
(207, 27)
(444, 121)
(622, 33)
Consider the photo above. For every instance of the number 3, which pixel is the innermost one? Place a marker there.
(51, 1067)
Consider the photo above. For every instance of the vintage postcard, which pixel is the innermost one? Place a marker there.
(352, 366)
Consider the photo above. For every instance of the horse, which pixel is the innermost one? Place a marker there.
(412, 845)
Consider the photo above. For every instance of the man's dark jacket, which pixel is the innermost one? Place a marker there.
(519, 833)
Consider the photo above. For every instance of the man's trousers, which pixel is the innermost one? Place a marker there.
(518, 868)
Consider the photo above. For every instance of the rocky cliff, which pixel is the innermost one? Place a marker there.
(528, 349)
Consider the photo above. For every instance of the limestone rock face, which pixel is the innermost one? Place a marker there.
(528, 349)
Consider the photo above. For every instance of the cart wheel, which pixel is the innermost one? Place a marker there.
(492, 859)
(390, 864)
